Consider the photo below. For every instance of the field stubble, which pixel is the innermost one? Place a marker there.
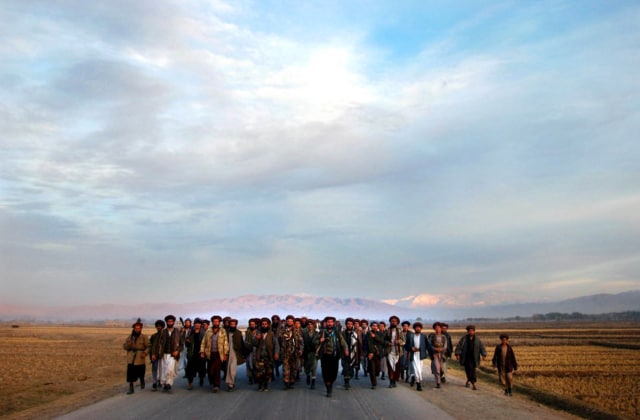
(59, 366)
(598, 365)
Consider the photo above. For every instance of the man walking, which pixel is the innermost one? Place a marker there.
(265, 350)
(351, 362)
(215, 347)
(375, 347)
(156, 354)
(311, 339)
(291, 348)
(418, 348)
(137, 346)
(395, 343)
(236, 354)
(171, 345)
(332, 347)
(195, 363)
(468, 352)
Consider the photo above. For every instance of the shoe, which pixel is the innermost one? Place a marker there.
(142, 383)
(394, 383)
(373, 387)
(168, 388)
(437, 385)
(510, 394)
(473, 386)
(419, 387)
(443, 380)
(347, 385)
(260, 388)
(413, 381)
(313, 383)
(308, 380)
(165, 388)
(154, 387)
(215, 389)
(230, 389)
(382, 377)
(190, 387)
(130, 391)
(506, 392)
(466, 385)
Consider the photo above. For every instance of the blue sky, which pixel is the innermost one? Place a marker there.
(444, 154)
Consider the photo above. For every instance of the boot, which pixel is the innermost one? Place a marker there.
(419, 387)
(130, 391)
(313, 383)
(346, 384)
(510, 394)
(308, 380)
(142, 383)
(154, 387)
(329, 390)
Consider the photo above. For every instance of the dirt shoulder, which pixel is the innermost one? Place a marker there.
(487, 402)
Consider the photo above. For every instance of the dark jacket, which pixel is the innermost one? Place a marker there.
(375, 345)
(510, 363)
(236, 344)
(170, 344)
(463, 349)
(193, 342)
(426, 349)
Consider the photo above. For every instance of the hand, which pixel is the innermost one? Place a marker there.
(458, 357)
(276, 357)
(322, 339)
(370, 356)
(202, 354)
(224, 358)
(175, 354)
(153, 358)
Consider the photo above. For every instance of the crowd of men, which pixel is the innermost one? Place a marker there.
(214, 348)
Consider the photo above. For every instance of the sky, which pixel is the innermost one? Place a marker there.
(441, 152)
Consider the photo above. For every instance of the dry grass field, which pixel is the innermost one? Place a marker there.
(593, 365)
(54, 368)
(48, 370)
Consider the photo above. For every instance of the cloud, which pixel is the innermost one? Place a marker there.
(479, 157)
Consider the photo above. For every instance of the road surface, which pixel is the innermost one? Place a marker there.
(452, 401)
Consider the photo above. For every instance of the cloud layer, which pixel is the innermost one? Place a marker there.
(210, 149)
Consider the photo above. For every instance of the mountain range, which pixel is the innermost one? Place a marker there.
(247, 306)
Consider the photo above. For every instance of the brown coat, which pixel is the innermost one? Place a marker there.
(137, 349)
(223, 343)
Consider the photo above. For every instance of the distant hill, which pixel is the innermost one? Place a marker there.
(247, 306)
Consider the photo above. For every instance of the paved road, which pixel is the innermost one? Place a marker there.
(246, 402)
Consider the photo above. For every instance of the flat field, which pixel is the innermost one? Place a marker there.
(594, 365)
(46, 370)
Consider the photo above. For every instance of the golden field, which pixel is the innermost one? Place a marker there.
(48, 370)
(595, 365)
(58, 367)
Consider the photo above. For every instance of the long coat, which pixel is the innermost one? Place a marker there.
(462, 349)
(236, 344)
(137, 349)
(510, 363)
